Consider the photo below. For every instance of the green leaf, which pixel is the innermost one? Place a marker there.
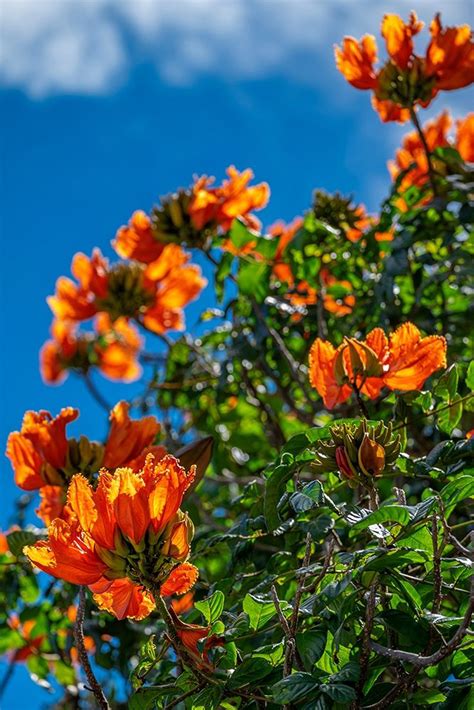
(447, 385)
(18, 539)
(146, 659)
(387, 513)
(396, 559)
(29, 590)
(252, 669)
(240, 235)
(259, 610)
(470, 376)
(212, 607)
(274, 486)
(311, 645)
(252, 279)
(339, 692)
(450, 417)
(64, 674)
(207, 699)
(311, 496)
(295, 687)
(462, 487)
(145, 699)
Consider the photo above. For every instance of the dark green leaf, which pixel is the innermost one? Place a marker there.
(294, 688)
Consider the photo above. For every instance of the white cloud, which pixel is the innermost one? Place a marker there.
(89, 46)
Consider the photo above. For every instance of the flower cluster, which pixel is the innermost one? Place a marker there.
(411, 159)
(44, 458)
(113, 348)
(154, 294)
(337, 295)
(126, 540)
(401, 362)
(359, 453)
(192, 216)
(407, 79)
(217, 207)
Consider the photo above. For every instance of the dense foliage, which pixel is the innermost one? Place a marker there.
(330, 523)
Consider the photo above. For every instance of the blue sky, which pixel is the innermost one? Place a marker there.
(105, 106)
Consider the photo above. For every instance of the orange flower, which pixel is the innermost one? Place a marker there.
(176, 283)
(340, 305)
(285, 233)
(389, 110)
(39, 451)
(213, 207)
(406, 79)
(53, 499)
(137, 240)
(465, 138)
(402, 362)
(412, 152)
(127, 438)
(302, 295)
(192, 637)
(126, 539)
(356, 61)
(56, 353)
(153, 294)
(77, 302)
(362, 222)
(32, 640)
(413, 359)
(113, 349)
(450, 55)
(117, 348)
(411, 157)
(4, 548)
(42, 457)
(399, 37)
(184, 604)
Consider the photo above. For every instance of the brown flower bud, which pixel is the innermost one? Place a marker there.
(371, 457)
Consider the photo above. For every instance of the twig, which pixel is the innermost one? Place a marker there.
(92, 388)
(407, 422)
(437, 580)
(82, 653)
(366, 643)
(291, 650)
(7, 677)
(325, 567)
(304, 417)
(281, 616)
(179, 647)
(437, 656)
(182, 697)
(431, 170)
(360, 401)
(272, 419)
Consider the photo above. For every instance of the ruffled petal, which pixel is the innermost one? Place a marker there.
(123, 598)
(181, 580)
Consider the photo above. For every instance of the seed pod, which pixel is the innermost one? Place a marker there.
(359, 452)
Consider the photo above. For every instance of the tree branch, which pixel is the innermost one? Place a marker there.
(437, 656)
(94, 685)
(92, 388)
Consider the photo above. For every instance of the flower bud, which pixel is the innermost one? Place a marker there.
(340, 372)
(345, 467)
(359, 453)
(371, 457)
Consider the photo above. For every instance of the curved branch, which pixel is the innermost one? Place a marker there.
(94, 685)
(437, 656)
